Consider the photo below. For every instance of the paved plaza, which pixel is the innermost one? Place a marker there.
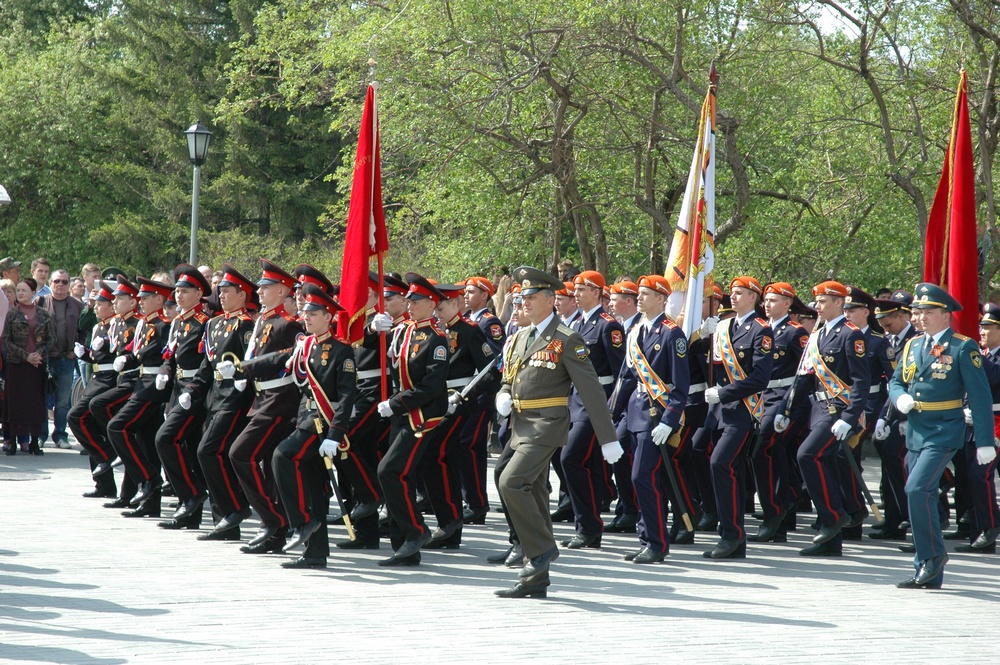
(80, 584)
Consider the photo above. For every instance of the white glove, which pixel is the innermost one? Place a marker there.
(985, 454)
(328, 448)
(161, 381)
(504, 404)
(240, 384)
(612, 452)
(881, 430)
(905, 403)
(841, 430)
(119, 363)
(381, 323)
(968, 415)
(781, 423)
(226, 369)
(184, 399)
(712, 395)
(97, 344)
(661, 433)
(708, 326)
(79, 350)
(454, 399)
(384, 409)
(902, 428)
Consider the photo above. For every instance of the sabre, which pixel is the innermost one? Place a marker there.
(861, 481)
(675, 486)
(479, 377)
(340, 501)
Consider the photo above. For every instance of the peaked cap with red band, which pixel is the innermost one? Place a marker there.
(148, 287)
(233, 277)
(306, 274)
(421, 287)
(272, 274)
(126, 288)
(318, 299)
(188, 276)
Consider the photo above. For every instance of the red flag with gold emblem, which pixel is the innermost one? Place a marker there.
(950, 246)
(366, 235)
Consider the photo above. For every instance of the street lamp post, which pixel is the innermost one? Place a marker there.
(198, 138)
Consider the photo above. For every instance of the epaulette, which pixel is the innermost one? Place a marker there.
(794, 324)
(437, 328)
(669, 323)
(851, 325)
(608, 317)
(218, 316)
(244, 316)
(962, 338)
(761, 321)
(200, 317)
(564, 329)
(878, 334)
(286, 316)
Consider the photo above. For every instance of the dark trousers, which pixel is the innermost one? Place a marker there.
(688, 498)
(251, 455)
(440, 470)
(854, 498)
(177, 446)
(820, 468)
(224, 489)
(93, 438)
(103, 408)
(651, 489)
(472, 456)
(770, 469)
(581, 464)
(367, 434)
(622, 469)
(133, 434)
(700, 468)
(301, 479)
(983, 491)
(396, 474)
(729, 480)
(893, 455)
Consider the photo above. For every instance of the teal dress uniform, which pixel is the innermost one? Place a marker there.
(937, 372)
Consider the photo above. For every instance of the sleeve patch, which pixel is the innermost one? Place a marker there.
(681, 346)
(581, 352)
(496, 331)
(977, 360)
(859, 348)
(804, 340)
(487, 351)
(616, 337)
(440, 353)
(765, 343)
(890, 352)
(348, 365)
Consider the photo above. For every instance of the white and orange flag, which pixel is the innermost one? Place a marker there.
(692, 252)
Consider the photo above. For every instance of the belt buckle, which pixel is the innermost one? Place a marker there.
(179, 374)
(218, 376)
(517, 405)
(96, 368)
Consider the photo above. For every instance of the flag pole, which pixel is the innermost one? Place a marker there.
(376, 155)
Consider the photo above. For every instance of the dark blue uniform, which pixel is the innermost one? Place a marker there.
(892, 450)
(982, 488)
(627, 510)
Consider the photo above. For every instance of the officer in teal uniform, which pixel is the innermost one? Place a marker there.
(936, 371)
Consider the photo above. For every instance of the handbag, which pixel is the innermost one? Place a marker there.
(51, 385)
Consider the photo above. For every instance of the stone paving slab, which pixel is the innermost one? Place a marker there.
(80, 584)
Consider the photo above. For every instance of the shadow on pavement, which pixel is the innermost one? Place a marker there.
(28, 653)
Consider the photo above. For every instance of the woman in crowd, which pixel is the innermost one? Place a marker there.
(28, 331)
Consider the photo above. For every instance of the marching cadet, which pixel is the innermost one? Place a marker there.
(546, 360)
(273, 412)
(178, 436)
(890, 430)
(583, 469)
(81, 420)
(859, 309)
(476, 433)
(934, 374)
(624, 307)
(227, 337)
(652, 392)
(470, 354)
(306, 274)
(569, 314)
(133, 429)
(104, 406)
(743, 358)
(837, 373)
(986, 514)
(420, 366)
(367, 432)
(324, 368)
(769, 457)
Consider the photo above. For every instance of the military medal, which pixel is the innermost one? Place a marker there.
(264, 336)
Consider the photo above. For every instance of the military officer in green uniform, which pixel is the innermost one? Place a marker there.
(547, 358)
(936, 371)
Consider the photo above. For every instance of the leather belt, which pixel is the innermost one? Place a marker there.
(946, 405)
(996, 407)
(524, 404)
(273, 383)
(606, 380)
(641, 388)
(149, 369)
(874, 390)
(104, 367)
(696, 388)
(369, 374)
(186, 373)
(311, 404)
(459, 383)
(780, 383)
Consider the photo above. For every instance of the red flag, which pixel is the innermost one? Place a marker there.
(950, 249)
(366, 235)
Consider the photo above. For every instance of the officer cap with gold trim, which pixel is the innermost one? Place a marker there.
(272, 274)
(930, 296)
(233, 277)
(533, 280)
(188, 276)
(318, 299)
(857, 297)
(801, 309)
(306, 274)
(991, 314)
(725, 305)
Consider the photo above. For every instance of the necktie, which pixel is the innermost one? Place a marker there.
(532, 333)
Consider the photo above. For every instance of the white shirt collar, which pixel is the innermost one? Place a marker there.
(586, 315)
(775, 324)
(740, 320)
(475, 316)
(543, 325)
(831, 324)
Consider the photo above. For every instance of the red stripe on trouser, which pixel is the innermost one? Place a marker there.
(822, 475)
(363, 420)
(222, 456)
(731, 467)
(591, 480)
(675, 460)
(90, 437)
(356, 460)
(258, 478)
(991, 491)
(128, 440)
(449, 499)
(299, 483)
(661, 520)
(180, 455)
(112, 405)
(411, 509)
(480, 482)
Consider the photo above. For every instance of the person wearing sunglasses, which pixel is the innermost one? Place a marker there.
(65, 313)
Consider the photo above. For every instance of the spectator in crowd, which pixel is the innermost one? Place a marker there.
(10, 269)
(883, 293)
(206, 272)
(77, 288)
(6, 301)
(28, 332)
(90, 273)
(567, 271)
(65, 314)
(216, 278)
(40, 268)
